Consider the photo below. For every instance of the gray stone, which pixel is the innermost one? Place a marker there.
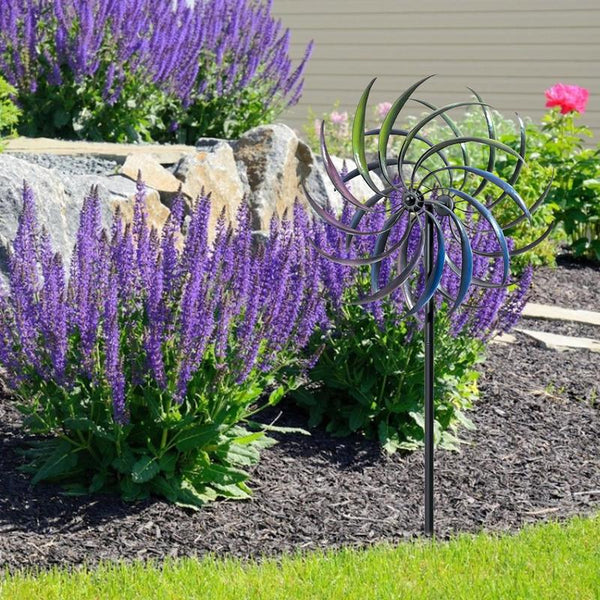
(212, 169)
(273, 164)
(554, 341)
(59, 200)
(557, 313)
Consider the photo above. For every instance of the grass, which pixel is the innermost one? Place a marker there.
(548, 561)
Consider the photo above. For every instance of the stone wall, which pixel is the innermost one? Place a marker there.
(267, 168)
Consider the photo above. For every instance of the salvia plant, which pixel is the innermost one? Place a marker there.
(160, 70)
(143, 363)
(369, 375)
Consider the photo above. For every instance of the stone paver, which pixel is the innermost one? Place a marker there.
(557, 313)
(555, 341)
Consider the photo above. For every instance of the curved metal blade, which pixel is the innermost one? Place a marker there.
(492, 136)
(487, 215)
(532, 208)
(335, 177)
(466, 264)
(358, 138)
(335, 222)
(415, 130)
(446, 143)
(433, 280)
(388, 123)
(380, 245)
(517, 171)
(493, 179)
(453, 127)
(524, 249)
(397, 281)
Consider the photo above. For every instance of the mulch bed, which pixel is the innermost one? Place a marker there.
(533, 457)
(574, 284)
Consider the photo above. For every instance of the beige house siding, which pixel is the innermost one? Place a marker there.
(510, 51)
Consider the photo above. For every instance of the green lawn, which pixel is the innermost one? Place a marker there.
(548, 561)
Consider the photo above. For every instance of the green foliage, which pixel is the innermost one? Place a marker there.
(78, 110)
(559, 146)
(369, 378)
(9, 113)
(190, 453)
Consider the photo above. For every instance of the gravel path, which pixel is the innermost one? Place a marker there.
(70, 165)
(533, 457)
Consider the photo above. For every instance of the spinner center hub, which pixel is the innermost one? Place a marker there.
(413, 201)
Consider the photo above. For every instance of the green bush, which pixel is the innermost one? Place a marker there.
(369, 378)
(143, 368)
(369, 374)
(147, 70)
(9, 113)
(559, 146)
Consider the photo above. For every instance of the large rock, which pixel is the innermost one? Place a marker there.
(212, 170)
(277, 167)
(153, 173)
(59, 200)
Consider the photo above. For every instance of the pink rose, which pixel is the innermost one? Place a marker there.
(568, 97)
(382, 109)
(338, 118)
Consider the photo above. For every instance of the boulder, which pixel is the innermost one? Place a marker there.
(212, 169)
(277, 166)
(153, 173)
(59, 200)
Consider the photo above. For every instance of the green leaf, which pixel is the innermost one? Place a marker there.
(220, 474)
(276, 395)
(124, 463)
(60, 118)
(79, 424)
(144, 469)
(163, 487)
(197, 437)
(98, 482)
(61, 461)
(233, 491)
(358, 418)
(190, 496)
(131, 491)
(168, 462)
(239, 455)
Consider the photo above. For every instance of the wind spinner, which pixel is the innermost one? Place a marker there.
(433, 189)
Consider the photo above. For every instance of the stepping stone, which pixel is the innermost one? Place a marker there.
(504, 338)
(555, 341)
(557, 313)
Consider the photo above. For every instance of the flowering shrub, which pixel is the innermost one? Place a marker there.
(560, 146)
(570, 98)
(369, 376)
(145, 365)
(9, 113)
(158, 70)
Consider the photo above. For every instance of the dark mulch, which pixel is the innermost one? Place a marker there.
(573, 284)
(533, 457)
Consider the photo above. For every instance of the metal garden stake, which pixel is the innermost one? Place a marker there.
(435, 187)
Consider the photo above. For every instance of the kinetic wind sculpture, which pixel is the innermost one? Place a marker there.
(433, 189)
